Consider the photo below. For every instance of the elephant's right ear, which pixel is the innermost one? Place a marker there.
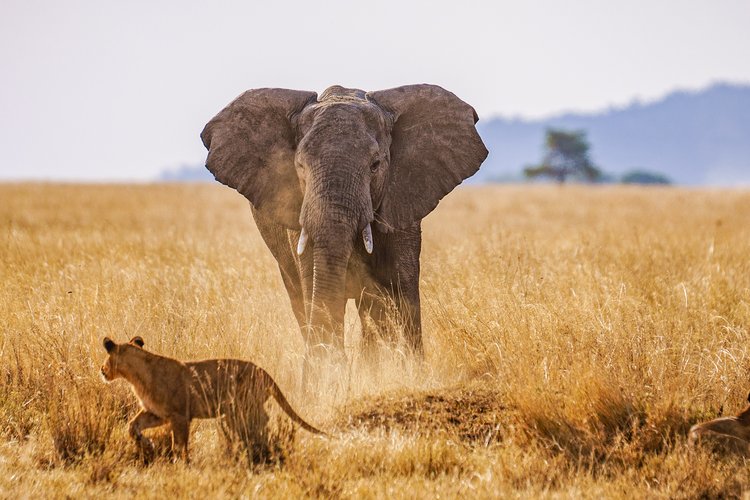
(251, 145)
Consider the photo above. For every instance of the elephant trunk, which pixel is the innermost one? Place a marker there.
(330, 261)
(336, 212)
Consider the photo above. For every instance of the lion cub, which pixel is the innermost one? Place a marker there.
(175, 392)
(730, 434)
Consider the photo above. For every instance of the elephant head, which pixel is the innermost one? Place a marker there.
(334, 166)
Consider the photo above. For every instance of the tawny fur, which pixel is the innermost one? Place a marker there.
(726, 434)
(175, 392)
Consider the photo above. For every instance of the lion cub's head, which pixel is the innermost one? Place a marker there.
(119, 357)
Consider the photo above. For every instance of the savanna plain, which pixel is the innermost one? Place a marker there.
(572, 336)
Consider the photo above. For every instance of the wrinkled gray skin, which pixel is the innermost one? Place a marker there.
(333, 165)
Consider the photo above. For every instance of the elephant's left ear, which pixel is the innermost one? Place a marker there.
(434, 146)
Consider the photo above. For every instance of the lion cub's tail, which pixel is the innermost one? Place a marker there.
(279, 396)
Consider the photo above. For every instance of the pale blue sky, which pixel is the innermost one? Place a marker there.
(109, 90)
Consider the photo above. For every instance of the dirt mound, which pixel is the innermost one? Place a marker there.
(474, 415)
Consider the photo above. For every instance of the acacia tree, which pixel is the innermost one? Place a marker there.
(566, 155)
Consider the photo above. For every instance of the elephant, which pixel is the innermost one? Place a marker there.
(338, 186)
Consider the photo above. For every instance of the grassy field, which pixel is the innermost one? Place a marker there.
(572, 336)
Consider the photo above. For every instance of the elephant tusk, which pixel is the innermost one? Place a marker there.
(367, 238)
(302, 242)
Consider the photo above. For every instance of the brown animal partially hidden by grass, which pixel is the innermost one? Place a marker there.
(726, 434)
(175, 392)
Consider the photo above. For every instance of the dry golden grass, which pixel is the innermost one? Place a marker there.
(572, 336)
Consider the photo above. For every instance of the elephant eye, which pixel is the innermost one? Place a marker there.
(375, 165)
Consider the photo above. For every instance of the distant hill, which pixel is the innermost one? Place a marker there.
(694, 138)
(697, 138)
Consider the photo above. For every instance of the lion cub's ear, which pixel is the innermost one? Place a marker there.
(109, 344)
(137, 340)
(748, 398)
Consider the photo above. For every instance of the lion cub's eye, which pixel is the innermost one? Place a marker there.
(375, 165)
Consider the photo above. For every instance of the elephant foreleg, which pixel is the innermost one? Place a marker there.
(388, 299)
(381, 313)
(292, 285)
(292, 273)
(282, 242)
(404, 286)
(411, 318)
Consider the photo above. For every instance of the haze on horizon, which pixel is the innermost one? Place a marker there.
(105, 90)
